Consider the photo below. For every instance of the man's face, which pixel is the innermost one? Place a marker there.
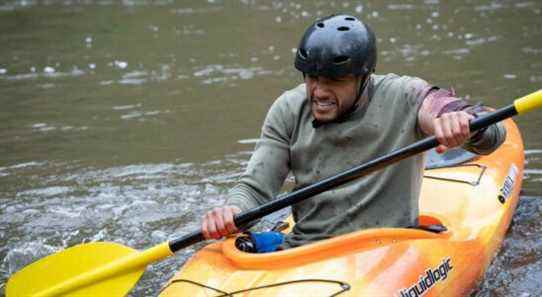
(331, 97)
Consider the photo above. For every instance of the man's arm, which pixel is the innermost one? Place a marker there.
(447, 117)
(264, 176)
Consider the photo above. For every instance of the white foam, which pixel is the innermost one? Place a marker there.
(39, 125)
(131, 115)
(26, 253)
(533, 152)
(27, 164)
(101, 235)
(399, 7)
(248, 141)
(46, 192)
(120, 64)
(533, 171)
(228, 73)
(459, 51)
(65, 212)
(49, 70)
(132, 81)
(531, 50)
(124, 107)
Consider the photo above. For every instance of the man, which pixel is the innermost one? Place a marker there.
(344, 115)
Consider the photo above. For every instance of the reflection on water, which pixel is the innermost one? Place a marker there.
(126, 120)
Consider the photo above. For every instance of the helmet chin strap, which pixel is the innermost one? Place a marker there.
(362, 86)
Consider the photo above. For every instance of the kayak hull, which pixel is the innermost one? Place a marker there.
(474, 201)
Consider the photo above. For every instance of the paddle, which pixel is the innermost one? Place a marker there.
(111, 269)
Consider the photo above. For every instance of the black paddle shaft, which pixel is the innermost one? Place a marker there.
(343, 177)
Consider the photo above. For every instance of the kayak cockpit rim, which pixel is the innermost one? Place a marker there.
(340, 245)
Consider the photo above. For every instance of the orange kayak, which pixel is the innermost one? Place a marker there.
(474, 201)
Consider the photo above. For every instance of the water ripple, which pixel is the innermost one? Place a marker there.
(219, 73)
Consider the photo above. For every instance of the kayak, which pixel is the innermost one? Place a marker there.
(465, 210)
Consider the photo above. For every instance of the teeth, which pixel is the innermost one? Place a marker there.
(325, 103)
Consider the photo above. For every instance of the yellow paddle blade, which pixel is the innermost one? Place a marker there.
(55, 274)
(529, 102)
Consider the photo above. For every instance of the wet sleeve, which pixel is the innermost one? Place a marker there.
(270, 162)
(484, 141)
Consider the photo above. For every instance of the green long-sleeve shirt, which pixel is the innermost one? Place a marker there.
(290, 142)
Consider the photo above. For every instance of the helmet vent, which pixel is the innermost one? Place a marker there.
(350, 19)
(320, 25)
(341, 59)
(303, 54)
(343, 28)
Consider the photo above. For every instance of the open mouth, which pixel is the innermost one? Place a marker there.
(324, 104)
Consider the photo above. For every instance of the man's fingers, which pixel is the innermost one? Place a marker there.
(211, 226)
(219, 222)
(462, 122)
(465, 124)
(450, 133)
(213, 232)
(443, 126)
(439, 134)
(455, 128)
(441, 149)
(205, 228)
(228, 220)
(452, 129)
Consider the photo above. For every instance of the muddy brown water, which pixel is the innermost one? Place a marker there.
(126, 120)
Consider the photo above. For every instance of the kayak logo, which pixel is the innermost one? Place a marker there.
(429, 279)
(509, 183)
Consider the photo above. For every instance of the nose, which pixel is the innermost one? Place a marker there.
(319, 90)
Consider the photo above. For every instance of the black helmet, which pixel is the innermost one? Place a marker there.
(335, 46)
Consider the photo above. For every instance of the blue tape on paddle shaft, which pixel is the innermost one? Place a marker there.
(267, 241)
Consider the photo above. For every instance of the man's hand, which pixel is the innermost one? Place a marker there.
(452, 129)
(219, 222)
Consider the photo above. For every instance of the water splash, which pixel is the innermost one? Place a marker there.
(26, 253)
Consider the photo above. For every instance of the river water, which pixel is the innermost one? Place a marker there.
(126, 120)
